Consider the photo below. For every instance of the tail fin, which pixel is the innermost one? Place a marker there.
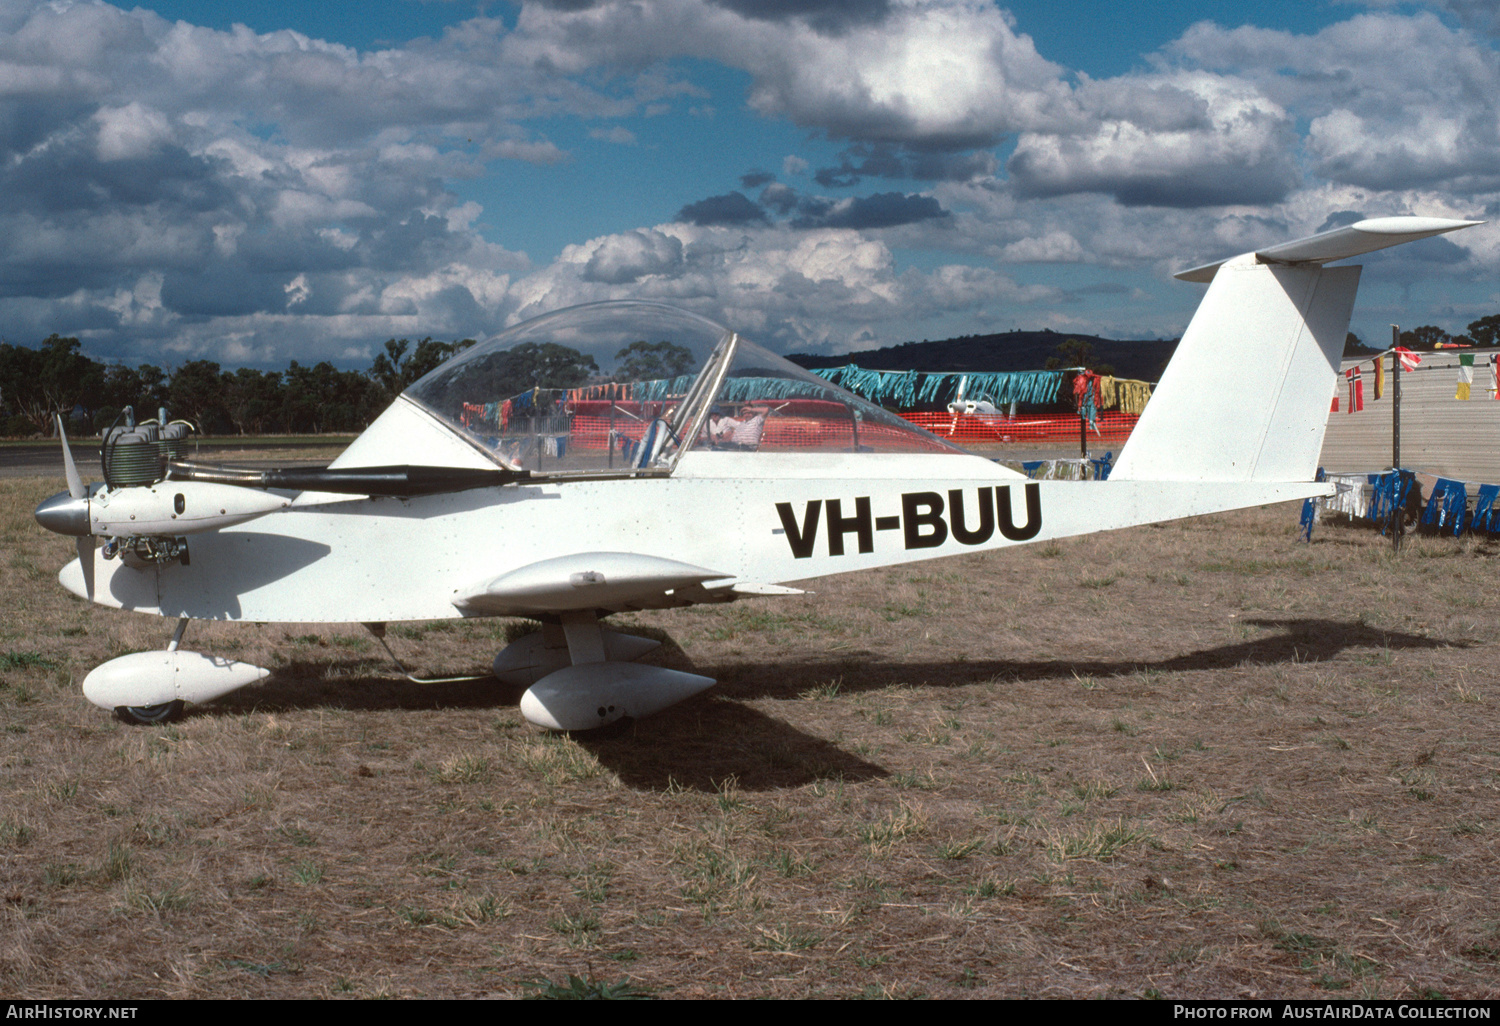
(1246, 395)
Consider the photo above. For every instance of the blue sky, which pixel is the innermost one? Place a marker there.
(256, 182)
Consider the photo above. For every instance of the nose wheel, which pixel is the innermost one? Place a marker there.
(145, 715)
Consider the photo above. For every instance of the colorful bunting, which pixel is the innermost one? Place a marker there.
(1310, 510)
(1447, 505)
(1445, 510)
(1083, 396)
(1484, 509)
(1391, 490)
(910, 388)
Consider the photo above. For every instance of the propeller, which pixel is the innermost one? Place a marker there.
(75, 483)
(70, 514)
(76, 490)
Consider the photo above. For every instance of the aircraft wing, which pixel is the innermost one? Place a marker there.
(614, 581)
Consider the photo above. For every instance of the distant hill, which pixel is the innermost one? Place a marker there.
(1009, 351)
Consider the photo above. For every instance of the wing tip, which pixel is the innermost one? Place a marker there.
(1410, 225)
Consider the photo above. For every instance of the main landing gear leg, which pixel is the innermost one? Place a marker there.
(580, 675)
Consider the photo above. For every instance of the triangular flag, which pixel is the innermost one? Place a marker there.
(1465, 375)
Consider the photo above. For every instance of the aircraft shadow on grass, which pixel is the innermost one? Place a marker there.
(1300, 641)
(698, 746)
(702, 744)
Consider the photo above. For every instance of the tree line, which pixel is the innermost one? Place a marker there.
(55, 378)
(1483, 333)
(39, 383)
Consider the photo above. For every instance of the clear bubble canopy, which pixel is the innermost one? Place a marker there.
(629, 387)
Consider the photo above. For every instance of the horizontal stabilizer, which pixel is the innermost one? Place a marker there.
(1361, 237)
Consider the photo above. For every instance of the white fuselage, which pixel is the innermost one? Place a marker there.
(752, 517)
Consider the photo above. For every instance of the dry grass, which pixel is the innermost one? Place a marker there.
(1203, 759)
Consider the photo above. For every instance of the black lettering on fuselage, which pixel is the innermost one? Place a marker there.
(1008, 526)
(926, 520)
(930, 516)
(860, 524)
(801, 538)
(961, 532)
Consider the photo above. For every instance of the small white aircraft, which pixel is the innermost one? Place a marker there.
(636, 495)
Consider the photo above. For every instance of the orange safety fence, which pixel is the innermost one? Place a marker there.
(982, 429)
(792, 434)
(824, 434)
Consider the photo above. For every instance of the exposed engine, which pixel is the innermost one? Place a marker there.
(134, 455)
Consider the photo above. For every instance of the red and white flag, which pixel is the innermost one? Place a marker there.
(1409, 359)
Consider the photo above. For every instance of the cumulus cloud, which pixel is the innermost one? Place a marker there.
(1478, 15)
(1055, 247)
(630, 256)
(958, 286)
(731, 208)
(130, 131)
(862, 213)
(136, 150)
(778, 197)
(821, 289)
(1177, 140)
(882, 210)
(886, 160)
(617, 135)
(297, 291)
(1393, 102)
(933, 73)
(827, 17)
(167, 186)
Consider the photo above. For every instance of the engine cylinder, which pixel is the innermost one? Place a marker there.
(133, 456)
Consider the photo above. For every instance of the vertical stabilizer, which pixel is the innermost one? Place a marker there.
(1246, 395)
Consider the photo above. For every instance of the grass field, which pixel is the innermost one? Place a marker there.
(1203, 759)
